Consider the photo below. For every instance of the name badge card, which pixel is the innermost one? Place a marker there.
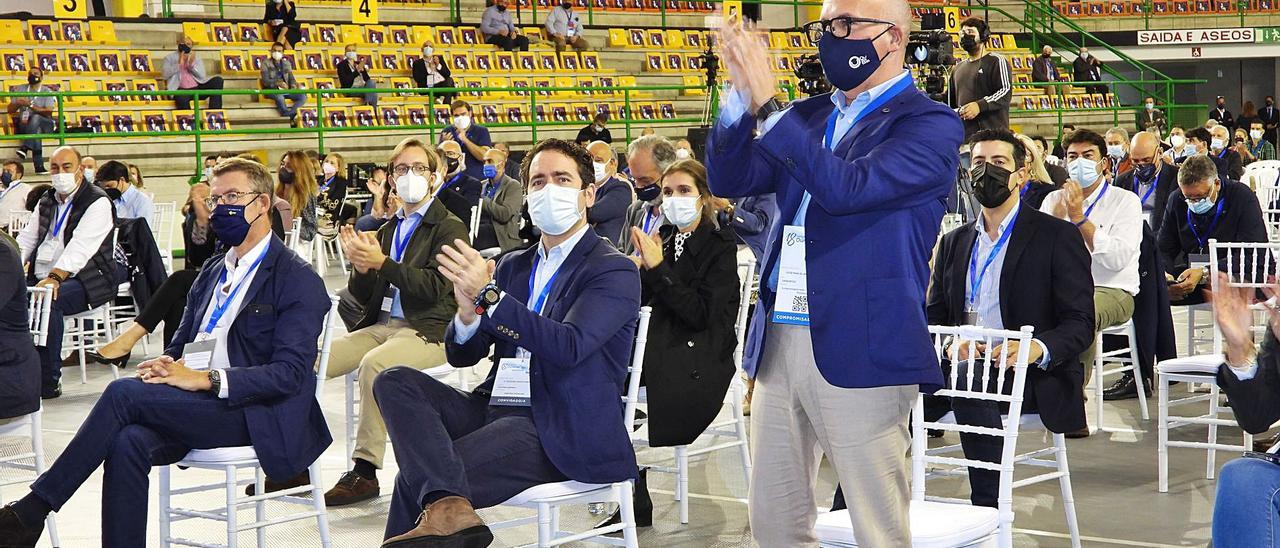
(386, 304)
(199, 354)
(511, 386)
(792, 303)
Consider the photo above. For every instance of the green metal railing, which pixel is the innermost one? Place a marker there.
(199, 131)
(1121, 116)
(796, 20)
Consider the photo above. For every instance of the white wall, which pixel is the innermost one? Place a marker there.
(36, 7)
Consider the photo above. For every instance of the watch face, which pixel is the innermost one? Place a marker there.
(491, 295)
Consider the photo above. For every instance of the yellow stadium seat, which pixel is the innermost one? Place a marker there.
(249, 32)
(352, 34)
(522, 83)
(590, 61)
(777, 40)
(587, 82)
(83, 84)
(389, 115)
(606, 82)
(692, 80)
(110, 60)
(313, 61)
(546, 61)
(569, 61)
(223, 33)
(498, 82)
(673, 62)
(695, 40)
(559, 112)
(564, 82)
(446, 36)
(232, 62)
(145, 84)
(15, 61)
(655, 39)
(258, 57)
(482, 61)
(389, 61)
(139, 61)
(666, 110)
(400, 35)
(489, 114)
(363, 116)
(674, 38)
(47, 60)
(542, 85)
(617, 38)
(326, 84)
(419, 115)
(504, 61)
(375, 34)
(154, 120)
(581, 112)
(645, 110)
(71, 30)
(123, 121)
(196, 32)
(525, 62)
(104, 32)
(42, 31)
(460, 61)
(326, 34)
(11, 32)
(469, 36)
(400, 82)
(516, 114)
(92, 120)
(606, 109)
(636, 38)
(475, 85)
(308, 118)
(116, 84)
(653, 62)
(184, 120)
(423, 34)
(215, 120)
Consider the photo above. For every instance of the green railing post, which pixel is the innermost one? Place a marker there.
(198, 126)
(795, 14)
(320, 122)
(626, 102)
(222, 10)
(533, 115)
(62, 121)
(662, 11)
(591, 13)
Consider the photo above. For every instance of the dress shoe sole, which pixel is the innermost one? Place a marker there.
(472, 537)
(347, 501)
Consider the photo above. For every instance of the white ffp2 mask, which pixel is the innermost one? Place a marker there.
(554, 209)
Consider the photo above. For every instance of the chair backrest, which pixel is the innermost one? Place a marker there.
(474, 229)
(1264, 178)
(746, 277)
(38, 305)
(18, 219)
(292, 236)
(637, 367)
(978, 379)
(326, 341)
(165, 216)
(1246, 264)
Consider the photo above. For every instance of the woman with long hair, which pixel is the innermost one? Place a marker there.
(135, 176)
(1041, 183)
(296, 183)
(334, 188)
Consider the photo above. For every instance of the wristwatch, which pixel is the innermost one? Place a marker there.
(767, 109)
(488, 297)
(215, 381)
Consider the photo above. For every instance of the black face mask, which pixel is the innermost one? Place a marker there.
(1269, 103)
(990, 184)
(286, 176)
(502, 8)
(183, 48)
(969, 43)
(451, 163)
(567, 5)
(113, 193)
(33, 80)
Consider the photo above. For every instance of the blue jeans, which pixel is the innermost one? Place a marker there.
(1246, 513)
(285, 110)
(71, 300)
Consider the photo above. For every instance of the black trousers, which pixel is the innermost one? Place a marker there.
(168, 303)
(450, 442)
(183, 102)
(520, 43)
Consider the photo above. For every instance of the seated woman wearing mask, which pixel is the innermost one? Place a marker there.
(689, 275)
(297, 185)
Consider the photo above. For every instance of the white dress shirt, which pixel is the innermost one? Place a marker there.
(1117, 238)
(549, 263)
(95, 224)
(13, 198)
(987, 302)
(239, 271)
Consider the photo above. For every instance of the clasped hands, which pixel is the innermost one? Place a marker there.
(1003, 355)
(361, 248)
(649, 248)
(747, 59)
(469, 272)
(175, 373)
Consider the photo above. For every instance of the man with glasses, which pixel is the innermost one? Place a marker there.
(237, 373)
(860, 175)
(980, 86)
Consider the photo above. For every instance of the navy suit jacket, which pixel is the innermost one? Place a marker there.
(609, 215)
(876, 209)
(272, 349)
(580, 346)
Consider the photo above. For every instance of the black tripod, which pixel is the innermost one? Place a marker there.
(711, 67)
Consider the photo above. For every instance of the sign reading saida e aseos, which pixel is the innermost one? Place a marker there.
(1195, 36)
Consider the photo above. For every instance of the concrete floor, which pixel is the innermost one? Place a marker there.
(1113, 476)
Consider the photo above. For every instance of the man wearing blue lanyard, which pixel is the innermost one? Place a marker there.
(860, 177)
(1110, 221)
(647, 158)
(460, 191)
(13, 192)
(1152, 179)
(67, 245)
(237, 373)
(559, 320)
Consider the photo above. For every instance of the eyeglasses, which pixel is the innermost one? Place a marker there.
(418, 169)
(839, 27)
(229, 198)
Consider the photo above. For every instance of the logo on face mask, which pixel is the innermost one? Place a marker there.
(857, 61)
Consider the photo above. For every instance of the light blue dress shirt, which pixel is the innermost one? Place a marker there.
(133, 204)
(987, 303)
(407, 226)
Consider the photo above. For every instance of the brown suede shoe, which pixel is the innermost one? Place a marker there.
(1078, 434)
(273, 485)
(351, 488)
(449, 522)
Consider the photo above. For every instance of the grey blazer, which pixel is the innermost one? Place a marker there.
(504, 210)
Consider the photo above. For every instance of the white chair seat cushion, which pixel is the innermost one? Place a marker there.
(551, 490)
(220, 455)
(1204, 364)
(933, 524)
(18, 426)
(1118, 329)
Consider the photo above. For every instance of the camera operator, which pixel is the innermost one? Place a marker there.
(980, 85)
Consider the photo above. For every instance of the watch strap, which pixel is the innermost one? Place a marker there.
(215, 381)
(766, 110)
(481, 303)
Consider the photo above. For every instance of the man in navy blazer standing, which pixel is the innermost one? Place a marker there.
(860, 177)
(560, 318)
(238, 372)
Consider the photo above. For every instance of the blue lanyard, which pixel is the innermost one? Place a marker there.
(888, 94)
(1223, 154)
(7, 190)
(62, 218)
(1105, 186)
(1149, 190)
(1023, 192)
(450, 182)
(648, 219)
(538, 304)
(398, 243)
(492, 190)
(975, 277)
(1258, 149)
(327, 182)
(220, 308)
(1209, 232)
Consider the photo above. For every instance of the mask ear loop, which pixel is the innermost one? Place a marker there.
(886, 54)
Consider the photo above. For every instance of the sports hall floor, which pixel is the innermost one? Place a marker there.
(1113, 475)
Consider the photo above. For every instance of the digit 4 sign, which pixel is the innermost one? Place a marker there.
(364, 12)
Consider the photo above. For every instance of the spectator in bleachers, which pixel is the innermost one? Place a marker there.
(980, 87)
(281, 18)
(13, 192)
(564, 27)
(460, 191)
(1204, 207)
(1151, 117)
(613, 196)
(646, 131)
(1248, 115)
(501, 198)
(89, 165)
(499, 30)
(258, 391)
(1151, 178)
(183, 70)
(648, 158)
(1087, 68)
(132, 203)
(430, 71)
(1046, 70)
(1229, 162)
(1039, 183)
(19, 364)
(1220, 114)
(459, 451)
(1270, 118)
(354, 74)
(595, 131)
(1178, 149)
(1258, 148)
(69, 248)
(298, 187)
(135, 176)
(209, 161)
(277, 73)
(381, 207)
(473, 138)
(407, 304)
(684, 150)
(512, 168)
(1117, 150)
(32, 116)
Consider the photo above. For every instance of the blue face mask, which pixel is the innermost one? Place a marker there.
(848, 63)
(1201, 207)
(229, 225)
(1084, 171)
(1145, 172)
(490, 171)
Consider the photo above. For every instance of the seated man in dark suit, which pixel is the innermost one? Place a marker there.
(1155, 178)
(1028, 268)
(253, 322)
(19, 363)
(1203, 208)
(560, 318)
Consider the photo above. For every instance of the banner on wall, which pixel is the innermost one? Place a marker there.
(1196, 36)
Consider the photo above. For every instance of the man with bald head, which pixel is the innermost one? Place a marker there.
(67, 246)
(89, 168)
(613, 196)
(460, 191)
(1151, 178)
(860, 176)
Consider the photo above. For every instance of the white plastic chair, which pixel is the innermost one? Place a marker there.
(940, 522)
(166, 216)
(352, 403)
(230, 460)
(38, 306)
(88, 330)
(474, 232)
(1263, 177)
(1248, 265)
(18, 219)
(1128, 358)
(547, 498)
(734, 427)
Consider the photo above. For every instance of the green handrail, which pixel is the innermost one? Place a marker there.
(1060, 93)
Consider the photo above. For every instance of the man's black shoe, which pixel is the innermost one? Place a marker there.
(642, 507)
(15, 534)
(1124, 389)
(51, 392)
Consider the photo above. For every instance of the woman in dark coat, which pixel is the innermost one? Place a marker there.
(281, 17)
(19, 363)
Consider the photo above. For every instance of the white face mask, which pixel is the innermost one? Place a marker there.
(427, 52)
(601, 172)
(1084, 171)
(1177, 140)
(682, 153)
(1255, 134)
(1217, 144)
(277, 55)
(351, 55)
(1115, 151)
(682, 211)
(88, 174)
(208, 173)
(554, 209)
(328, 169)
(462, 122)
(63, 183)
(412, 187)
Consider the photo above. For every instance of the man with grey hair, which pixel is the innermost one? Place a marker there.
(1117, 150)
(647, 158)
(613, 196)
(1230, 165)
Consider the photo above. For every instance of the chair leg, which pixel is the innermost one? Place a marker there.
(1212, 459)
(1162, 443)
(317, 502)
(740, 428)
(351, 414)
(1068, 499)
(555, 522)
(232, 536)
(37, 449)
(84, 372)
(164, 507)
(544, 525)
(682, 481)
(627, 511)
(1137, 372)
(260, 507)
(1097, 380)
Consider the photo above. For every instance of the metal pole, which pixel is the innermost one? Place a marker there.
(533, 115)
(626, 102)
(198, 126)
(62, 122)
(320, 121)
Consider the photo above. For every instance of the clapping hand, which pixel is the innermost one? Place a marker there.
(1235, 319)
(748, 62)
(648, 246)
(362, 249)
(469, 272)
(964, 350)
(1073, 201)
